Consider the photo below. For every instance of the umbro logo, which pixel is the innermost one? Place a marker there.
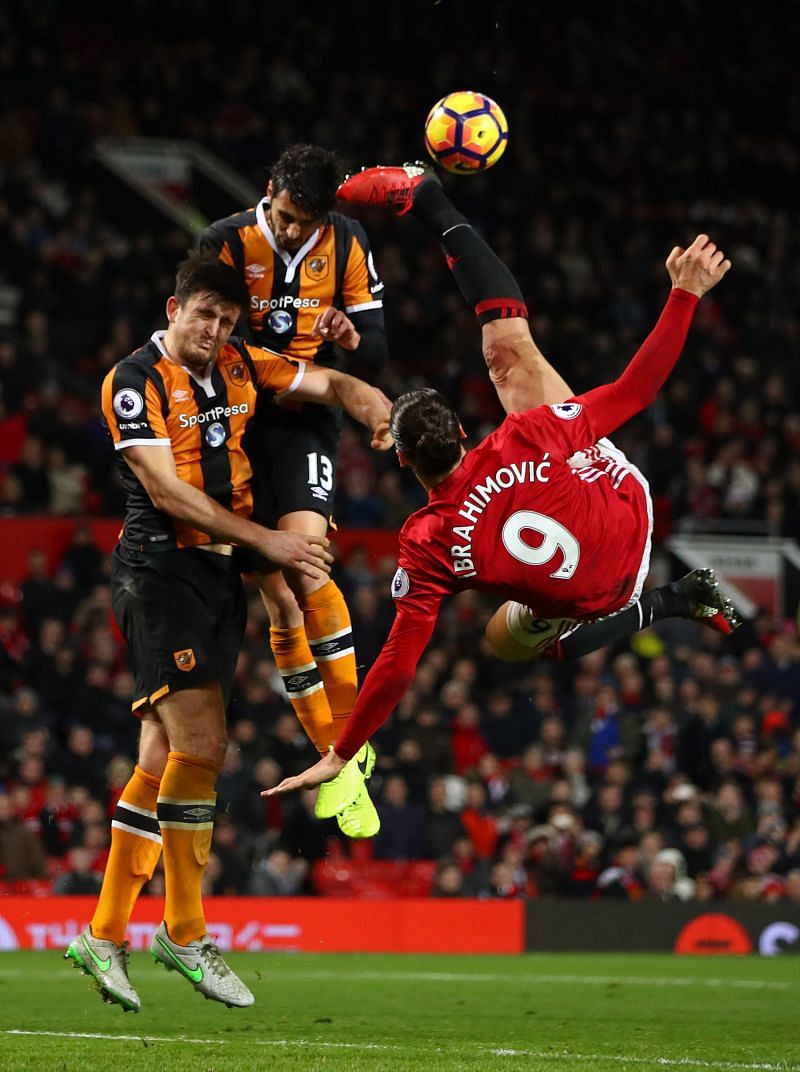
(255, 271)
(198, 815)
(297, 681)
(180, 395)
(319, 493)
(326, 649)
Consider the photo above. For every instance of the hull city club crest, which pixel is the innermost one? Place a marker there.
(317, 267)
(237, 373)
(185, 660)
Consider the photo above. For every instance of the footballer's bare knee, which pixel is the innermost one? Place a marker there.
(507, 344)
(515, 634)
(500, 641)
(519, 371)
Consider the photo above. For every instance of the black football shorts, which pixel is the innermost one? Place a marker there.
(182, 614)
(293, 456)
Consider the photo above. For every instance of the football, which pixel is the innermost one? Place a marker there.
(466, 132)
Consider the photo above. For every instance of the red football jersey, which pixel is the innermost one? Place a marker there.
(518, 520)
(526, 518)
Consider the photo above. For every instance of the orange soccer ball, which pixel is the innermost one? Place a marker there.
(466, 132)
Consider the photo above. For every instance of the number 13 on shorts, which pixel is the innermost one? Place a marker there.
(320, 471)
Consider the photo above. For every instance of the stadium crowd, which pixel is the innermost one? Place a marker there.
(668, 767)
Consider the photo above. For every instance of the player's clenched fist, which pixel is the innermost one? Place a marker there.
(699, 267)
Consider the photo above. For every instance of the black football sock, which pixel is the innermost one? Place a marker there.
(485, 282)
(433, 207)
(653, 606)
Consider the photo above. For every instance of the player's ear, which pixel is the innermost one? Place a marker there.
(461, 433)
(173, 305)
(402, 459)
(269, 189)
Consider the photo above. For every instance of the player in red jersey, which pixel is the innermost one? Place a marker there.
(516, 516)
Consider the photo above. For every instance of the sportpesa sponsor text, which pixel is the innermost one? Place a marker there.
(215, 414)
(284, 302)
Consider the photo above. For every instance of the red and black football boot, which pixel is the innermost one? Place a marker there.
(392, 186)
(709, 605)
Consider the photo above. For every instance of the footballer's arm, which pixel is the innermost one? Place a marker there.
(388, 680)
(154, 468)
(364, 403)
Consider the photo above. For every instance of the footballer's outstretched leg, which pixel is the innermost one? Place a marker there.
(515, 634)
(522, 376)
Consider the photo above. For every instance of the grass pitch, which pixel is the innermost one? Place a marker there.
(596, 1013)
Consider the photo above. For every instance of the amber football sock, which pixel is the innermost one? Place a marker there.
(186, 803)
(135, 849)
(303, 683)
(330, 637)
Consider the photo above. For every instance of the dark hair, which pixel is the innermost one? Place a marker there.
(425, 428)
(310, 175)
(206, 273)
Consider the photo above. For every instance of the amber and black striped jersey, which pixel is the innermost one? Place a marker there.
(149, 400)
(288, 291)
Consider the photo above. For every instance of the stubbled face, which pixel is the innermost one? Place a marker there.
(199, 328)
(291, 226)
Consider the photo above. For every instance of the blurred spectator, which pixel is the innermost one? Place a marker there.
(401, 836)
(448, 880)
(730, 817)
(225, 845)
(67, 483)
(531, 780)
(304, 836)
(34, 478)
(80, 879)
(466, 739)
(277, 875)
(605, 813)
(83, 559)
(668, 880)
(237, 795)
(482, 828)
(40, 597)
(504, 882)
(607, 732)
(621, 880)
(21, 850)
(697, 849)
(585, 864)
(442, 825)
(80, 763)
(695, 739)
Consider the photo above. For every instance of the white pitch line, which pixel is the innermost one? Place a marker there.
(197, 1041)
(571, 980)
(660, 1062)
(546, 1055)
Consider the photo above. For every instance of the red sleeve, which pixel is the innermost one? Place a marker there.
(615, 403)
(392, 672)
